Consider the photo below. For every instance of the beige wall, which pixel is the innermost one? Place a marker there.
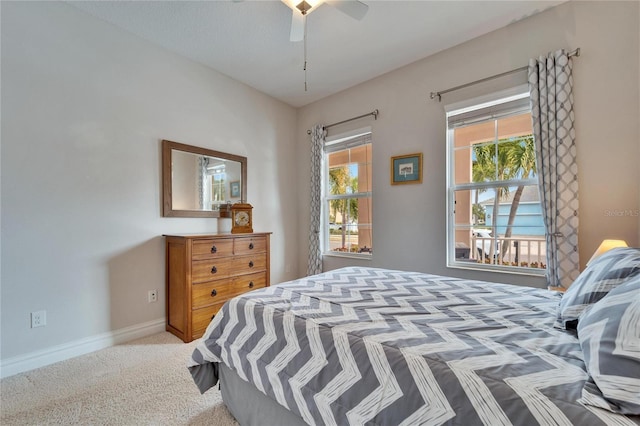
(84, 109)
(410, 220)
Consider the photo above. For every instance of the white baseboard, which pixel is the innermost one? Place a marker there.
(58, 353)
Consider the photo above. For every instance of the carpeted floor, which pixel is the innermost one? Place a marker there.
(143, 382)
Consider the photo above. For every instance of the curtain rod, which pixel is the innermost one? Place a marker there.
(439, 94)
(375, 113)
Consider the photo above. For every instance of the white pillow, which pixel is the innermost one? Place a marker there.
(603, 275)
(609, 334)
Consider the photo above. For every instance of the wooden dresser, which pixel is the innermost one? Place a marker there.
(205, 270)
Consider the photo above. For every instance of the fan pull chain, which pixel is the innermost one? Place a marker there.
(305, 51)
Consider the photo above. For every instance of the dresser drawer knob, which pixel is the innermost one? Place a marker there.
(251, 284)
(214, 270)
(214, 249)
(250, 246)
(213, 292)
(251, 264)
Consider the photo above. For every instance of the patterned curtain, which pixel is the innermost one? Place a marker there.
(203, 162)
(550, 84)
(315, 255)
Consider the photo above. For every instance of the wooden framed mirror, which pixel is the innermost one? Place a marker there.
(197, 181)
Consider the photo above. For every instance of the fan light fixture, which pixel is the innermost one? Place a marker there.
(303, 6)
(299, 24)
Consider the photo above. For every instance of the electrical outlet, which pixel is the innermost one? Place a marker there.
(153, 296)
(38, 319)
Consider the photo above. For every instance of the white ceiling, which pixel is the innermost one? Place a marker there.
(249, 40)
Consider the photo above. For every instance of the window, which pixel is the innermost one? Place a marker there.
(494, 215)
(347, 201)
(218, 186)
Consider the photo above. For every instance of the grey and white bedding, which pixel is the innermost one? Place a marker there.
(383, 347)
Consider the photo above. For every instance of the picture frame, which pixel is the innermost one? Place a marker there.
(234, 189)
(406, 169)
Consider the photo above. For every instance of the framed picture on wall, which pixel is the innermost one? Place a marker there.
(235, 189)
(406, 169)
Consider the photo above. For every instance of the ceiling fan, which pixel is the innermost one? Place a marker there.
(301, 8)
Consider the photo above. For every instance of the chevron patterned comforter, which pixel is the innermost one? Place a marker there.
(382, 347)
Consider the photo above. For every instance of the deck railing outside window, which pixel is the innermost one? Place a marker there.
(514, 251)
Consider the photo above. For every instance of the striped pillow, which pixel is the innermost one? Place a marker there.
(604, 274)
(609, 334)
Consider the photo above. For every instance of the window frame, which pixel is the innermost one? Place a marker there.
(336, 143)
(466, 107)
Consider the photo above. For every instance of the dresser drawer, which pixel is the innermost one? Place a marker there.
(210, 293)
(204, 271)
(208, 270)
(247, 264)
(248, 245)
(200, 319)
(249, 282)
(210, 249)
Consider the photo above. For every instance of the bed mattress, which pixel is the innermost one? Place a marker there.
(376, 346)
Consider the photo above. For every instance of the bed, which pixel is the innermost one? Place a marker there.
(375, 346)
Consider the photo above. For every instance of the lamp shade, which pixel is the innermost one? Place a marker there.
(605, 246)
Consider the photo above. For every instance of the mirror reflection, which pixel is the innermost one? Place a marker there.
(197, 181)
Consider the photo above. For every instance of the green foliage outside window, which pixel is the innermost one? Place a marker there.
(512, 158)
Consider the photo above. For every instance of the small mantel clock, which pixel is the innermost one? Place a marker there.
(242, 221)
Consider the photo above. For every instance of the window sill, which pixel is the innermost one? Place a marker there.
(347, 255)
(474, 266)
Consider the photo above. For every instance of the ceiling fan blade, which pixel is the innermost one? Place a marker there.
(297, 26)
(355, 9)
